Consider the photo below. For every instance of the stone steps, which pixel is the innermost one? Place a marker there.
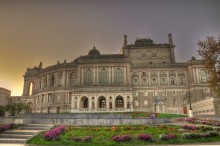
(12, 140)
(18, 136)
(34, 128)
(22, 134)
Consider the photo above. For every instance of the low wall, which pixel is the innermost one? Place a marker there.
(80, 120)
(80, 116)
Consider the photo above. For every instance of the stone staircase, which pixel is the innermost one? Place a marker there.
(22, 134)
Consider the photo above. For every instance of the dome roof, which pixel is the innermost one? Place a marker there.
(94, 52)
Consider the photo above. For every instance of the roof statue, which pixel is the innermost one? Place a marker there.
(170, 39)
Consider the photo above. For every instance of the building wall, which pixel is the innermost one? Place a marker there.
(154, 83)
(4, 94)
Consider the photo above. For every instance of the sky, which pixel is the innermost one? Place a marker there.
(52, 30)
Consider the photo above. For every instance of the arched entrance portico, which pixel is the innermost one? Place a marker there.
(119, 102)
(84, 103)
(29, 107)
(101, 102)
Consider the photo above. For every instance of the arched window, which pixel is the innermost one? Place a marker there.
(119, 103)
(72, 79)
(86, 103)
(118, 75)
(88, 76)
(145, 103)
(202, 76)
(103, 76)
(136, 103)
(102, 103)
(45, 81)
(31, 88)
(51, 80)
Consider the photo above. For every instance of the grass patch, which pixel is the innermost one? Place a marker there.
(103, 136)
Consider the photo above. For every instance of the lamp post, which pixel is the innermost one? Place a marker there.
(188, 94)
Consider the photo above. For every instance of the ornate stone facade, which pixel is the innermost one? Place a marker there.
(144, 77)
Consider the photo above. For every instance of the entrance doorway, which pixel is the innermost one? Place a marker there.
(185, 110)
(58, 109)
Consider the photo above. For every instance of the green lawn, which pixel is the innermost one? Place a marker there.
(103, 135)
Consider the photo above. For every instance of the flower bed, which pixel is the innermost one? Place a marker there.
(122, 138)
(167, 136)
(199, 121)
(54, 133)
(130, 135)
(188, 127)
(199, 135)
(6, 127)
(145, 137)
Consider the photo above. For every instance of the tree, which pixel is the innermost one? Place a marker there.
(2, 110)
(20, 106)
(11, 108)
(16, 108)
(209, 50)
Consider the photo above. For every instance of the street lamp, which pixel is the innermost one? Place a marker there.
(188, 94)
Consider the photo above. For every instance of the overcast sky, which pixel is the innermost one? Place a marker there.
(51, 30)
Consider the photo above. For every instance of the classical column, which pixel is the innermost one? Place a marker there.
(139, 78)
(78, 102)
(65, 78)
(112, 75)
(113, 102)
(90, 102)
(149, 78)
(48, 80)
(125, 102)
(158, 78)
(96, 102)
(72, 103)
(194, 75)
(82, 74)
(107, 101)
(125, 75)
(177, 77)
(97, 75)
(109, 75)
(94, 75)
(197, 75)
(186, 78)
(168, 78)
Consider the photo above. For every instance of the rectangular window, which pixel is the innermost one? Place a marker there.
(154, 54)
(181, 81)
(145, 93)
(145, 82)
(135, 93)
(183, 92)
(164, 93)
(144, 55)
(174, 92)
(154, 81)
(135, 81)
(163, 81)
(155, 93)
(172, 81)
